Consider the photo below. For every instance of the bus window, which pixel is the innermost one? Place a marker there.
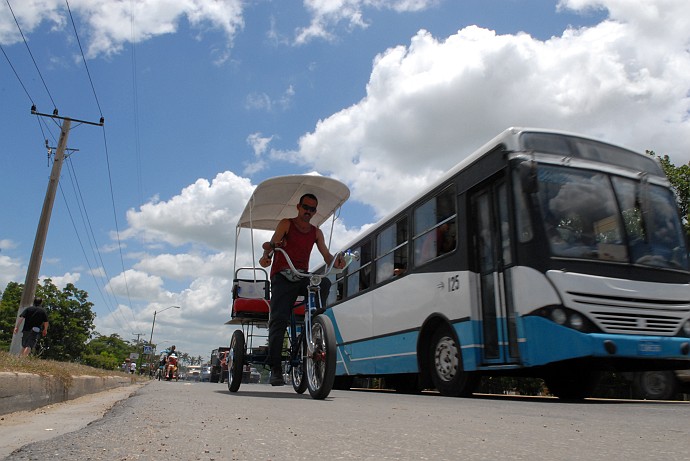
(337, 285)
(359, 271)
(435, 227)
(391, 251)
(581, 214)
(652, 224)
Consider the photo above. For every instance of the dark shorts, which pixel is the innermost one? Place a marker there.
(30, 338)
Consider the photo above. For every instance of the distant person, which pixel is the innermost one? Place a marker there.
(35, 320)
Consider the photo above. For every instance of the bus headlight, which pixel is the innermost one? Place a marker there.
(566, 317)
(558, 316)
(576, 321)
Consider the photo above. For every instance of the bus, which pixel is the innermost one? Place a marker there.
(542, 254)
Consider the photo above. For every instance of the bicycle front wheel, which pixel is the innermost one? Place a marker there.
(320, 365)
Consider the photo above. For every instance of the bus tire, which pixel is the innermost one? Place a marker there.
(655, 385)
(445, 360)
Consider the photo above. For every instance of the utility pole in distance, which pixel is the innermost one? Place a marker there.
(41, 233)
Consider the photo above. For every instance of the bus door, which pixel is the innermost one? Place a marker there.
(493, 255)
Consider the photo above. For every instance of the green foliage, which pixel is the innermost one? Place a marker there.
(69, 315)
(71, 321)
(8, 313)
(107, 352)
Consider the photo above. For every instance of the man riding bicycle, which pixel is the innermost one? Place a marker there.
(296, 236)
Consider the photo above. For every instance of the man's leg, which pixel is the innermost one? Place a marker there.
(283, 296)
(28, 343)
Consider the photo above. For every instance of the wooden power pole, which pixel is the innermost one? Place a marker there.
(41, 233)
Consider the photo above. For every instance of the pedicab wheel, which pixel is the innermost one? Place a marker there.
(320, 365)
(235, 361)
(297, 371)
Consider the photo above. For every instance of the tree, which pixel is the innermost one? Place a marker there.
(107, 352)
(69, 315)
(8, 313)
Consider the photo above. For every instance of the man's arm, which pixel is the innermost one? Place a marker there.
(278, 236)
(45, 328)
(19, 322)
(323, 249)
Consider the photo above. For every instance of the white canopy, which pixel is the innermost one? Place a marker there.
(276, 198)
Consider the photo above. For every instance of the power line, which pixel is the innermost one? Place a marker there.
(16, 74)
(84, 59)
(32, 58)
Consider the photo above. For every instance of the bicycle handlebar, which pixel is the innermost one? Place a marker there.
(349, 256)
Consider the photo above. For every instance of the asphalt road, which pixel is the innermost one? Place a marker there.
(203, 421)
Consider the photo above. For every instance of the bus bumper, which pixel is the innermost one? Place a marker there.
(548, 343)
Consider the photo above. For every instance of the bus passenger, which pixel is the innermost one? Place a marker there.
(297, 237)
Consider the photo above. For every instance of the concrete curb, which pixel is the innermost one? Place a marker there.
(26, 391)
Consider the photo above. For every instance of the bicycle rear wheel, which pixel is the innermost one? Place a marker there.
(297, 368)
(320, 366)
(235, 361)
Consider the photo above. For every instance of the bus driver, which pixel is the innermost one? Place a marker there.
(297, 237)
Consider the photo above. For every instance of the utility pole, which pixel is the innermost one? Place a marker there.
(41, 233)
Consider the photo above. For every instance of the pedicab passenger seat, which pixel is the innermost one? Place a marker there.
(250, 297)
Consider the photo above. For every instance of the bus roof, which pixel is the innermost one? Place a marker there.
(276, 198)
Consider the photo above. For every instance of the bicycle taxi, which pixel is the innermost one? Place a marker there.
(310, 355)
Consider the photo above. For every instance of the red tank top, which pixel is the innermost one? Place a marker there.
(298, 246)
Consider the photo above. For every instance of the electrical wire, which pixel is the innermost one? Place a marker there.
(32, 57)
(81, 50)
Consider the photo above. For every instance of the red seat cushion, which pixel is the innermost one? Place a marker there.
(254, 306)
(259, 306)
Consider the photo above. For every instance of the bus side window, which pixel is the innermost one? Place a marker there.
(359, 271)
(435, 227)
(391, 251)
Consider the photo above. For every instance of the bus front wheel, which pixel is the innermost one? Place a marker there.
(446, 366)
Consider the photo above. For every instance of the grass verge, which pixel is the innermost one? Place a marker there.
(64, 371)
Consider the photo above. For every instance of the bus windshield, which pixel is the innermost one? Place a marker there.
(595, 215)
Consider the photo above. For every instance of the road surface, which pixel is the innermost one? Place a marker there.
(203, 421)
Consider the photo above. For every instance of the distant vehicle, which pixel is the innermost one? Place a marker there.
(205, 373)
(250, 375)
(219, 365)
(193, 373)
(661, 384)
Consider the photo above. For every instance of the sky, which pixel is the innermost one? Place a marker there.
(204, 99)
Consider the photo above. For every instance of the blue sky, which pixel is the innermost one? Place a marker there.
(203, 100)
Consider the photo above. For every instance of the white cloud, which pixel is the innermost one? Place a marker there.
(137, 285)
(61, 281)
(10, 271)
(108, 25)
(431, 103)
(203, 213)
(328, 14)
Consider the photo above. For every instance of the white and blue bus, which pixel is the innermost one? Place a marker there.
(542, 254)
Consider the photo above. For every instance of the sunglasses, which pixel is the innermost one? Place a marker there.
(308, 208)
